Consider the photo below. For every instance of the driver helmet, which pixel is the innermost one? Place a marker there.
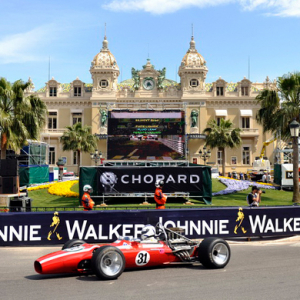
(159, 183)
(88, 188)
(148, 232)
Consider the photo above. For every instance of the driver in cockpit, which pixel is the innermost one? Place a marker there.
(148, 234)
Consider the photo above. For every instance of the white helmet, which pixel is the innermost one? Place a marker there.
(87, 188)
(159, 183)
(148, 232)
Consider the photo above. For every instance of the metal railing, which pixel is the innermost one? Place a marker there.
(7, 209)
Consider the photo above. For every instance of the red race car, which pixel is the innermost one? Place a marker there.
(158, 246)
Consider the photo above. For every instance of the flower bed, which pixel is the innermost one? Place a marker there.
(63, 189)
(235, 185)
(41, 186)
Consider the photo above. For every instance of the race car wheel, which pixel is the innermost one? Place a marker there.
(72, 243)
(214, 253)
(108, 262)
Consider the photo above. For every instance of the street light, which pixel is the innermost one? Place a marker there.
(96, 156)
(205, 154)
(294, 129)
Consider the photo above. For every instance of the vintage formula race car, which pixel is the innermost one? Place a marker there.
(158, 246)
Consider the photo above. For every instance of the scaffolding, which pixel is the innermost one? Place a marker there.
(32, 163)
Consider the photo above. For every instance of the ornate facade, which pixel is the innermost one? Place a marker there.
(149, 89)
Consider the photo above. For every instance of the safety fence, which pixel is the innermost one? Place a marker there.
(57, 227)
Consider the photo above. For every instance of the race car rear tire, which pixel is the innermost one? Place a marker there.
(72, 243)
(108, 262)
(214, 253)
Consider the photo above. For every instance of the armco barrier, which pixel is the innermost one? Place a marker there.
(48, 228)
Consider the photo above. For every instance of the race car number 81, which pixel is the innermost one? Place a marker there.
(142, 258)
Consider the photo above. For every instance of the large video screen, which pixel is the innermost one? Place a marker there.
(146, 135)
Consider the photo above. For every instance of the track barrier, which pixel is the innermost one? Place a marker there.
(50, 228)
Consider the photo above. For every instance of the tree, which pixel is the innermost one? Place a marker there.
(79, 138)
(21, 118)
(278, 109)
(222, 136)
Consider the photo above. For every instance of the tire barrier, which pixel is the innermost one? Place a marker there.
(49, 228)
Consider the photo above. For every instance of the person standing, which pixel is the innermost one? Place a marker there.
(86, 199)
(159, 197)
(254, 197)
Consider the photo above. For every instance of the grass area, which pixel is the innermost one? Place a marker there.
(41, 198)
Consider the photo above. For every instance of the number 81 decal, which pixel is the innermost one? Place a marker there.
(142, 258)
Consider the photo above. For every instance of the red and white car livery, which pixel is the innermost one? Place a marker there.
(108, 261)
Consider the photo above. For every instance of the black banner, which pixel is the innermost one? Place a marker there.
(48, 228)
(141, 179)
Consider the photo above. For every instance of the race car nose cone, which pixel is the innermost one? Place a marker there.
(38, 267)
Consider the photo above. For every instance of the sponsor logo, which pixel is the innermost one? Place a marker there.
(239, 220)
(75, 249)
(55, 223)
(148, 179)
(108, 180)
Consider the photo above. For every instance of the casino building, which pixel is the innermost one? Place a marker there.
(149, 91)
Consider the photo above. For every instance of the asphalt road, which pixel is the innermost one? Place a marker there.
(257, 270)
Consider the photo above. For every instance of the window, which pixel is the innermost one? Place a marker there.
(219, 157)
(245, 91)
(77, 118)
(219, 120)
(245, 122)
(220, 91)
(75, 158)
(77, 91)
(194, 83)
(233, 160)
(53, 91)
(246, 155)
(51, 155)
(52, 120)
(103, 83)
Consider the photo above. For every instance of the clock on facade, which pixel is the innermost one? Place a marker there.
(148, 84)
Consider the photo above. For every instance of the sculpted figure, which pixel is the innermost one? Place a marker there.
(103, 117)
(161, 77)
(194, 117)
(136, 78)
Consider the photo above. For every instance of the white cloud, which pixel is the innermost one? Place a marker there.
(24, 47)
(160, 6)
(284, 8)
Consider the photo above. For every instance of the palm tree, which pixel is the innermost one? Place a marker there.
(21, 118)
(222, 136)
(278, 109)
(79, 138)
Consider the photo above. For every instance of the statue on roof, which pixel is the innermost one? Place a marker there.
(161, 77)
(136, 78)
(194, 117)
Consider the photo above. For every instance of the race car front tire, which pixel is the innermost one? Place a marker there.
(108, 262)
(214, 253)
(72, 243)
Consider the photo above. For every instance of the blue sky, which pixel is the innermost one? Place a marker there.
(226, 32)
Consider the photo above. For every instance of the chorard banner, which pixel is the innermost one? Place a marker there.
(193, 180)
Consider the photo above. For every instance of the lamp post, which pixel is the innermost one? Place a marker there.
(96, 156)
(60, 163)
(294, 129)
(205, 154)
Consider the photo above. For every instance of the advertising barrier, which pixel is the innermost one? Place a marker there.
(195, 180)
(49, 228)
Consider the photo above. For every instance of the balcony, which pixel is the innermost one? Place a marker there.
(249, 132)
(50, 132)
